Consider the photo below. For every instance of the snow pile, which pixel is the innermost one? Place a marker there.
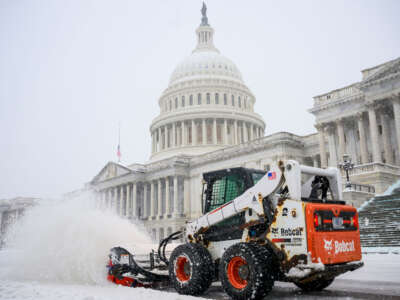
(391, 189)
(301, 270)
(18, 290)
(388, 192)
(67, 241)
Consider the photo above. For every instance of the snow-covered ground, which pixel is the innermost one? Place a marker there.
(59, 249)
(380, 270)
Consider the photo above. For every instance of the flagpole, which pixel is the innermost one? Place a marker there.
(119, 142)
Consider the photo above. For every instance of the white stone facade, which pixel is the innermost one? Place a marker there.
(207, 123)
(10, 211)
(363, 120)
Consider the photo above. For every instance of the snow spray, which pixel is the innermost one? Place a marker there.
(68, 241)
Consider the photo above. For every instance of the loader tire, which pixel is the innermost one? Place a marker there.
(315, 285)
(191, 269)
(246, 271)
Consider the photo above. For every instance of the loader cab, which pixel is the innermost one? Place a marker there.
(219, 188)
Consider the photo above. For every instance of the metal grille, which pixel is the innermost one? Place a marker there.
(226, 189)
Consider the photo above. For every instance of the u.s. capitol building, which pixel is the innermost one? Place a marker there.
(207, 122)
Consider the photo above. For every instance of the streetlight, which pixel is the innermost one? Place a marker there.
(347, 165)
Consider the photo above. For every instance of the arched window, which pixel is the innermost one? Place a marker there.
(176, 103)
(216, 98)
(183, 101)
(239, 102)
(199, 99)
(208, 98)
(191, 100)
(244, 103)
(170, 104)
(225, 100)
(233, 100)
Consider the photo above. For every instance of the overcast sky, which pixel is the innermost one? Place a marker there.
(70, 71)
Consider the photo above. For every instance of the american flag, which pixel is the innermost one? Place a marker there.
(271, 175)
(119, 153)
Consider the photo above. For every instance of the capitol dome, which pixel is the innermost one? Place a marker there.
(204, 64)
(206, 106)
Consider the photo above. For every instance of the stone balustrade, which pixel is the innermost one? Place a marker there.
(373, 167)
(351, 90)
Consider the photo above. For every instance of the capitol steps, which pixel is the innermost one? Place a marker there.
(379, 221)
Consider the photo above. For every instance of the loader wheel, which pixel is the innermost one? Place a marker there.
(246, 271)
(191, 269)
(315, 285)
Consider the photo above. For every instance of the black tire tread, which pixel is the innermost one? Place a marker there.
(260, 261)
(202, 269)
(315, 285)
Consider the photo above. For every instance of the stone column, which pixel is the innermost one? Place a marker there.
(332, 146)
(184, 137)
(322, 148)
(145, 207)
(235, 134)
(109, 199)
(186, 194)
(134, 200)
(174, 134)
(1, 222)
(363, 138)
(342, 143)
(167, 204)
(152, 200)
(128, 202)
(159, 198)
(215, 137)
(166, 137)
(373, 127)
(152, 142)
(387, 148)
(315, 161)
(176, 212)
(194, 133)
(225, 133)
(121, 201)
(159, 139)
(396, 112)
(164, 140)
(204, 132)
(251, 132)
(245, 133)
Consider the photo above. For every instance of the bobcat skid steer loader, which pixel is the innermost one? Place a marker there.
(287, 224)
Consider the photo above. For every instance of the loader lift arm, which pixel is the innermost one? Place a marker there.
(284, 178)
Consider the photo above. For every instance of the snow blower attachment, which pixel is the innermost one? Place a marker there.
(123, 269)
(287, 224)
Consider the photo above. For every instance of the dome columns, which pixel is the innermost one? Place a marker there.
(207, 131)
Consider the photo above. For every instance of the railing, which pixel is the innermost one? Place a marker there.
(337, 94)
(373, 167)
(361, 188)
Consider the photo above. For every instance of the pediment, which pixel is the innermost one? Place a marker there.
(386, 71)
(111, 170)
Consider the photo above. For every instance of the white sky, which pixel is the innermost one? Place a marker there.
(70, 71)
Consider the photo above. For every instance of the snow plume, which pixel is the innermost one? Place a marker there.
(67, 241)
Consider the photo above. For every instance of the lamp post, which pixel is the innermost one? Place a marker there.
(347, 165)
